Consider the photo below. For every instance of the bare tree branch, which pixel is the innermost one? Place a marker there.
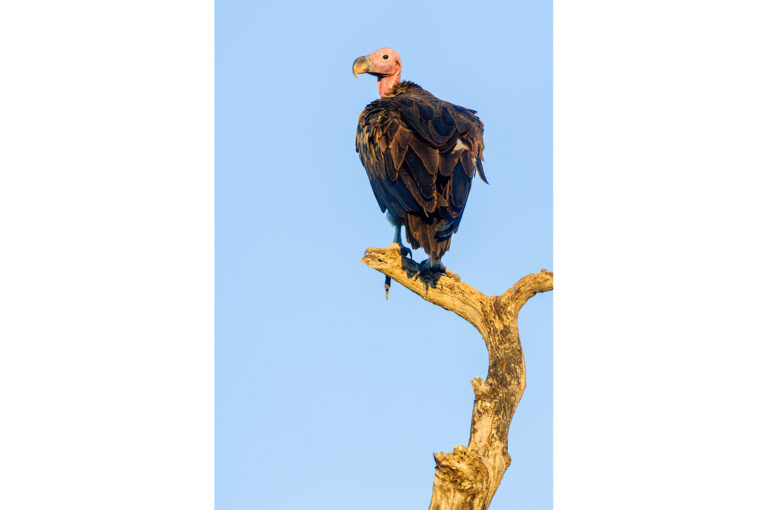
(467, 478)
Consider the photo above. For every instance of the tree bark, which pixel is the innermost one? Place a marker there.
(467, 478)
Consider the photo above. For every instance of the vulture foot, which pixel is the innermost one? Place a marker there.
(432, 265)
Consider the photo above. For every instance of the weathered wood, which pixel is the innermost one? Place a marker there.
(467, 478)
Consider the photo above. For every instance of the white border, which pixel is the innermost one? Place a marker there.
(660, 254)
(106, 266)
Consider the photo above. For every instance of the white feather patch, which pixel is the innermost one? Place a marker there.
(459, 146)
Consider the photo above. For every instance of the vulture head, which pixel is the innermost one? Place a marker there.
(384, 64)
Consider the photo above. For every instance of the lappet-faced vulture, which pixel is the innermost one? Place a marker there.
(420, 153)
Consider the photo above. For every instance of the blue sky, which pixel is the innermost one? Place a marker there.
(328, 396)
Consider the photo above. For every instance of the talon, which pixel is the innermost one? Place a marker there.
(430, 265)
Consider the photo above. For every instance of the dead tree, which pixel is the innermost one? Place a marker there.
(468, 478)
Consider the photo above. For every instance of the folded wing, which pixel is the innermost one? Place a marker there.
(420, 154)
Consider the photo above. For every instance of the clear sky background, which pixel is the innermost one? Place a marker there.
(328, 396)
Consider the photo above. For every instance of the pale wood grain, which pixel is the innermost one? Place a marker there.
(468, 477)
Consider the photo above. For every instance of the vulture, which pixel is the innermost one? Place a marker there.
(420, 154)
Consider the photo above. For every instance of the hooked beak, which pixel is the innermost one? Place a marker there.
(361, 65)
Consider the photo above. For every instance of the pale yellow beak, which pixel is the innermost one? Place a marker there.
(361, 65)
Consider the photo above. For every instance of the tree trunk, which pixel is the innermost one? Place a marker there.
(467, 478)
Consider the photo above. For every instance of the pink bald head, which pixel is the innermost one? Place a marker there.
(384, 64)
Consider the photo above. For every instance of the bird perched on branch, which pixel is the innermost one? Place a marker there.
(420, 154)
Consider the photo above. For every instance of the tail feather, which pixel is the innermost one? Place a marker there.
(430, 233)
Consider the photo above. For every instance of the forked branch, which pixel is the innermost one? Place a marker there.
(467, 478)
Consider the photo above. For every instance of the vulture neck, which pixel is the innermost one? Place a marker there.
(385, 83)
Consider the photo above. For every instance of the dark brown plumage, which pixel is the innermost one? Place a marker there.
(420, 154)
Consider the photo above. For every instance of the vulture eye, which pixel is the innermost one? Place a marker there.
(385, 57)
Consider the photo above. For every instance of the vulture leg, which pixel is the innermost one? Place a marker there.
(398, 224)
(405, 252)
